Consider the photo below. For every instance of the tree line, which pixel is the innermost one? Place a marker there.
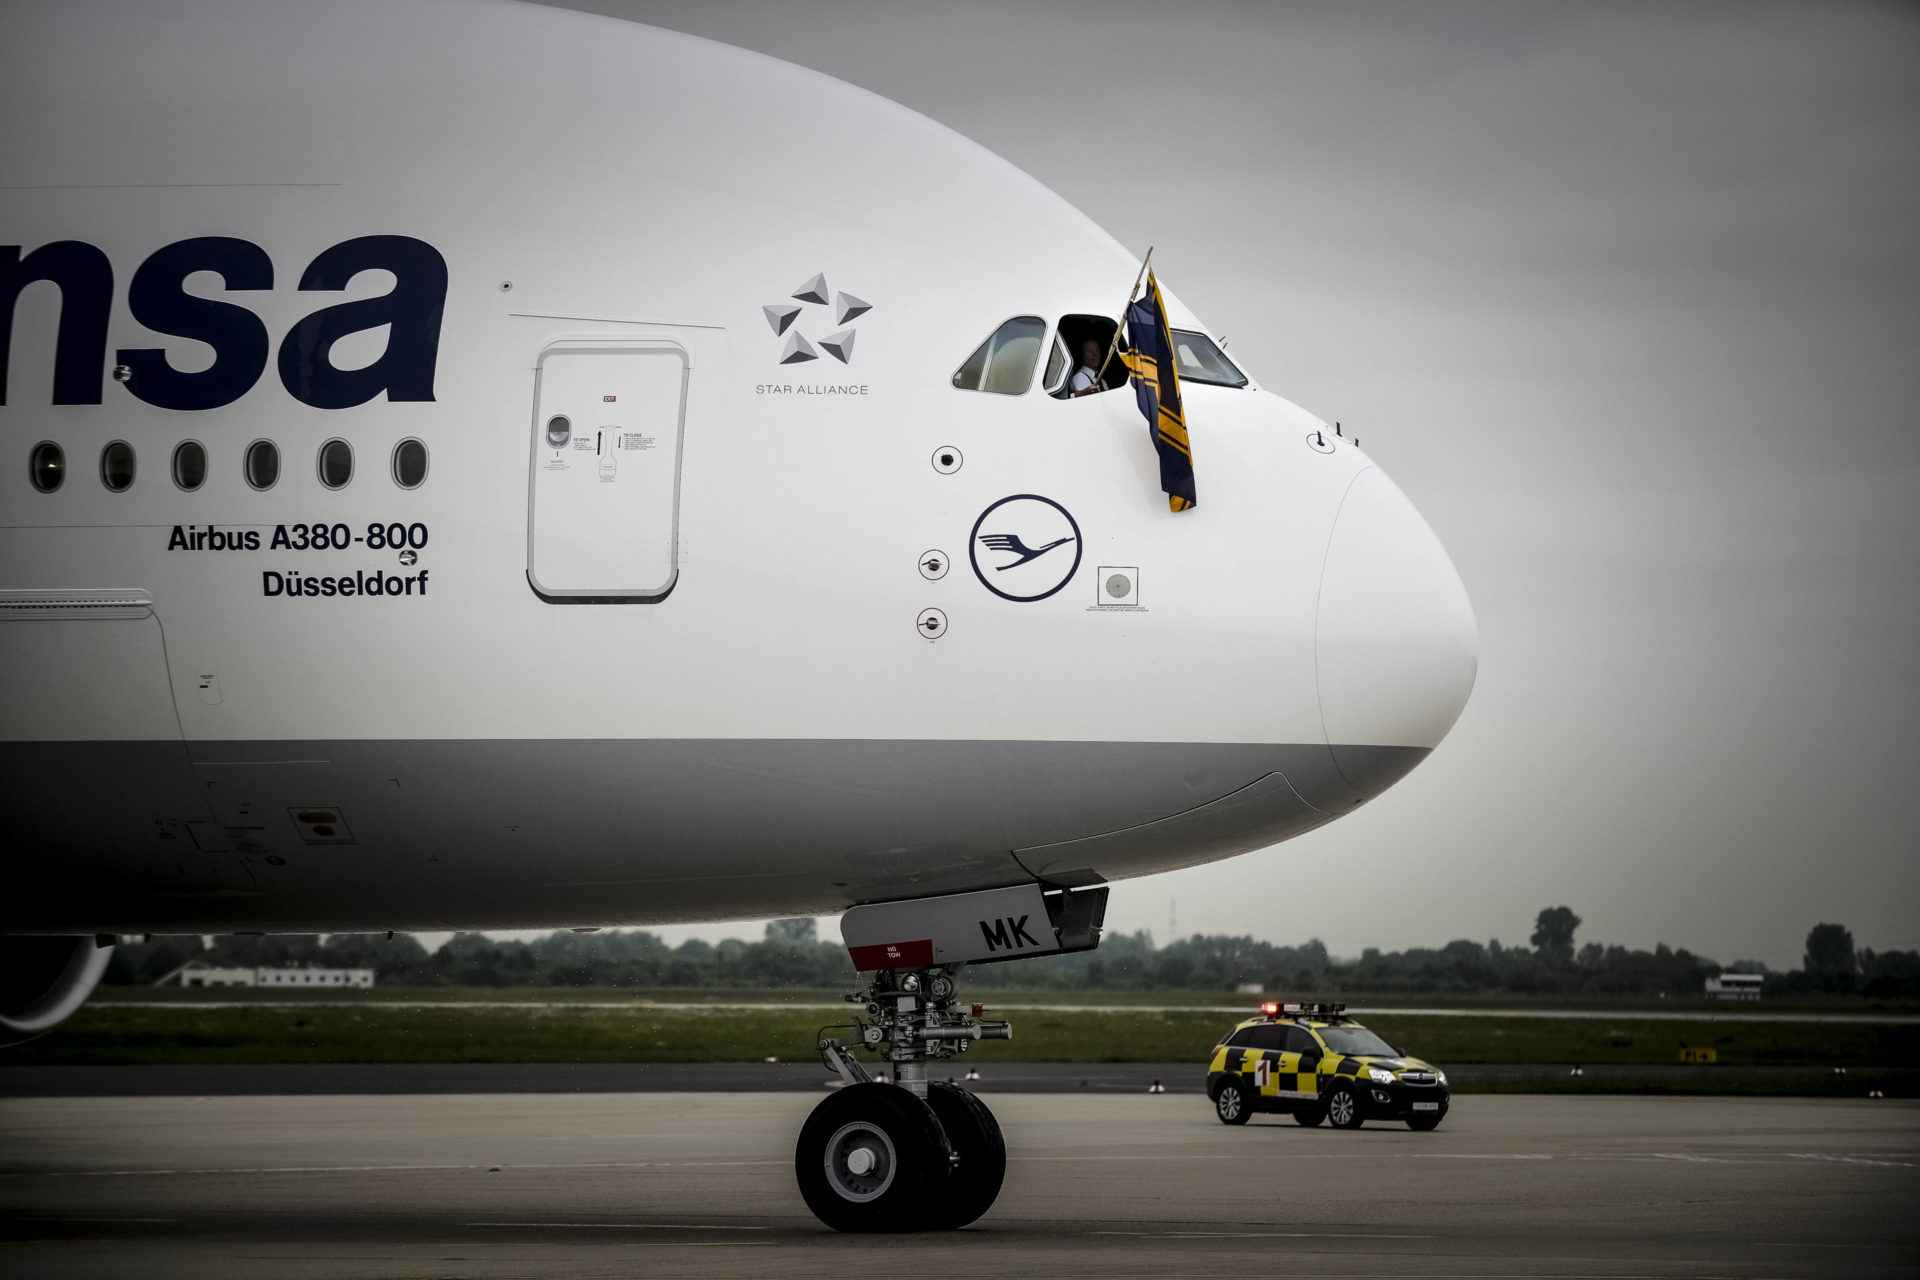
(791, 955)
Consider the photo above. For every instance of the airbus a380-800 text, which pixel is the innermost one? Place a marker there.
(472, 466)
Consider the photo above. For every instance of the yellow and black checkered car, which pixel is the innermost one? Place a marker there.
(1314, 1063)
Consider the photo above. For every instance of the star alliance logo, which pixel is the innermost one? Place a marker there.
(846, 308)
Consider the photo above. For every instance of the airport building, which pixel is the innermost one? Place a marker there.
(195, 974)
(1735, 986)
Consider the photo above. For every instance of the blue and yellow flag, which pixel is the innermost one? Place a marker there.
(1156, 383)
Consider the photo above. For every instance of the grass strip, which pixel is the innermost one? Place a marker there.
(337, 1032)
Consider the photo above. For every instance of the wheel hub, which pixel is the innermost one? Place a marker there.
(860, 1161)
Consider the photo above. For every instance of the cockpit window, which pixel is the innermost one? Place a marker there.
(1058, 363)
(1083, 343)
(1201, 361)
(1004, 363)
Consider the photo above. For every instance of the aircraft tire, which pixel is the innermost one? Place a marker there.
(1343, 1107)
(982, 1150)
(1232, 1104)
(872, 1158)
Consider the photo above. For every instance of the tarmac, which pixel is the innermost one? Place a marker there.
(185, 1080)
(1100, 1183)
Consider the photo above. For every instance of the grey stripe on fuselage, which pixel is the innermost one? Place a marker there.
(443, 834)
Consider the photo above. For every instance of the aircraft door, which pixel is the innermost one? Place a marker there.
(604, 504)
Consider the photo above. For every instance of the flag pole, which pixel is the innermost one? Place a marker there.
(1131, 295)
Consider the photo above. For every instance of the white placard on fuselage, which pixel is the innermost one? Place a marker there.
(607, 427)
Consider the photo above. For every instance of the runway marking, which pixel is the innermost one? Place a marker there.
(1285, 1155)
(467, 1168)
(384, 1168)
(1074, 1159)
(1754, 1158)
(98, 1221)
(616, 1226)
(650, 1164)
(1260, 1235)
(172, 1173)
(496, 1244)
(1808, 1155)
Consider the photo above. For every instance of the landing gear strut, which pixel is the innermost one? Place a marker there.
(913, 1155)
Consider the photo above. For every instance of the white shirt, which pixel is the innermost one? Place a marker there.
(1083, 378)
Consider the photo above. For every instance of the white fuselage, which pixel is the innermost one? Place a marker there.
(686, 673)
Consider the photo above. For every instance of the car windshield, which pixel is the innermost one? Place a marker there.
(1200, 360)
(1357, 1041)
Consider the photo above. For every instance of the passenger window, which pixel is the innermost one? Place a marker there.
(1084, 342)
(1200, 360)
(409, 464)
(1242, 1038)
(336, 463)
(1004, 363)
(263, 464)
(116, 466)
(189, 465)
(1301, 1041)
(47, 466)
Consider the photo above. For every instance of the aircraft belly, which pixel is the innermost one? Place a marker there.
(1261, 813)
(444, 834)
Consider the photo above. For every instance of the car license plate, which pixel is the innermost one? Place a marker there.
(1426, 1106)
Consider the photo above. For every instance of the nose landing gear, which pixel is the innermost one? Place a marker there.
(915, 1156)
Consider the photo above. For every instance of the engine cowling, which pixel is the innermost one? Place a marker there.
(44, 979)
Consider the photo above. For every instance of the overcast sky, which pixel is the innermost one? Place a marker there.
(1627, 298)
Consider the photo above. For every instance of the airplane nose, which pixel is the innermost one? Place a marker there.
(1396, 647)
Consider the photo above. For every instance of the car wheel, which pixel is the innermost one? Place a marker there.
(1343, 1107)
(1308, 1117)
(1232, 1104)
(1423, 1124)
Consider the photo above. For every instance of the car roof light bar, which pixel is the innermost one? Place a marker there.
(1277, 1009)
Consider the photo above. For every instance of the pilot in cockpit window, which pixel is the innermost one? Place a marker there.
(1086, 377)
(1081, 345)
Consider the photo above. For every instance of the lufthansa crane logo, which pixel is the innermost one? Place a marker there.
(1025, 547)
(844, 308)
